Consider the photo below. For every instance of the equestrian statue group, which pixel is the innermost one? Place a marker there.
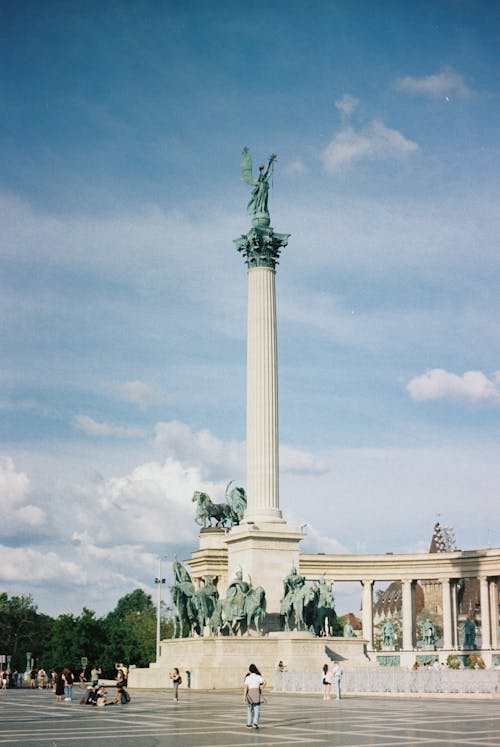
(200, 611)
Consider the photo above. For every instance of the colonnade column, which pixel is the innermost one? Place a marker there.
(409, 637)
(494, 612)
(485, 612)
(454, 614)
(367, 611)
(447, 617)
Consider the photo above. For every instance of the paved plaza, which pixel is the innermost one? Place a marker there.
(33, 718)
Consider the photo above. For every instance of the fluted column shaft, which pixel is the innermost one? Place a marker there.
(494, 612)
(447, 616)
(262, 398)
(485, 612)
(367, 612)
(408, 614)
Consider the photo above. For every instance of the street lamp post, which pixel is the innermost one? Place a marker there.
(158, 581)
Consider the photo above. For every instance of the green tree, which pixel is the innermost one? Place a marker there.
(73, 638)
(63, 648)
(131, 631)
(18, 626)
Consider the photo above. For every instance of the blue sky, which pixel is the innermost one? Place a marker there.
(123, 300)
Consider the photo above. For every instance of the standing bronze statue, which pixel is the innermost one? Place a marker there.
(261, 246)
(257, 206)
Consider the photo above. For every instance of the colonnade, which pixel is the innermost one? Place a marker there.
(442, 568)
(451, 640)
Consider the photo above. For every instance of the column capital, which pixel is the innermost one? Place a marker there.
(261, 246)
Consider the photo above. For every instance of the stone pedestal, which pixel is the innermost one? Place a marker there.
(222, 663)
(266, 553)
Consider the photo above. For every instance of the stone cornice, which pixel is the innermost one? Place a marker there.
(391, 566)
(388, 567)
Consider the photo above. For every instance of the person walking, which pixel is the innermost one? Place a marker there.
(68, 680)
(95, 673)
(327, 682)
(337, 673)
(59, 685)
(252, 695)
(176, 681)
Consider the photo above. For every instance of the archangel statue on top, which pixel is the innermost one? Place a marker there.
(261, 246)
(257, 206)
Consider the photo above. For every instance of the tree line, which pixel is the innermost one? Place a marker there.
(126, 634)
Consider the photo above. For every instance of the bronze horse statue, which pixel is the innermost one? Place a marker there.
(224, 514)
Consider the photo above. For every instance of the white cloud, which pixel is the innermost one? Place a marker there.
(296, 167)
(316, 541)
(214, 458)
(473, 387)
(138, 392)
(13, 485)
(218, 459)
(373, 142)
(347, 104)
(445, 83)
(293, 460)
(16, 514)
(144, 504)
(21, 563)
(93, 428)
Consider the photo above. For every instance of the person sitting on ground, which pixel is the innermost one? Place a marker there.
(101, 697)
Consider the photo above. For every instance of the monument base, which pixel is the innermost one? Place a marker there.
(222, 663)
(265, 552)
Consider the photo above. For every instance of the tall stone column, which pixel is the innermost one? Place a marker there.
(454, 614)
(447, 616)
(485, 612)
(494, 612)
(408, 614)
(367, 612)
(263, 545)
(262, 399)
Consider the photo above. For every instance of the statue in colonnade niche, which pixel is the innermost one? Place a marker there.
(429, 632)
(348, 630)
(469, 631)
(388, 633)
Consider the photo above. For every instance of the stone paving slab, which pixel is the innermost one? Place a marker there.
(32, 718)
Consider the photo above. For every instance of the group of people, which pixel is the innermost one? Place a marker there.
(331, 677)
(36, 678)
(61, 681)
(254, 684)
(97, 695)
